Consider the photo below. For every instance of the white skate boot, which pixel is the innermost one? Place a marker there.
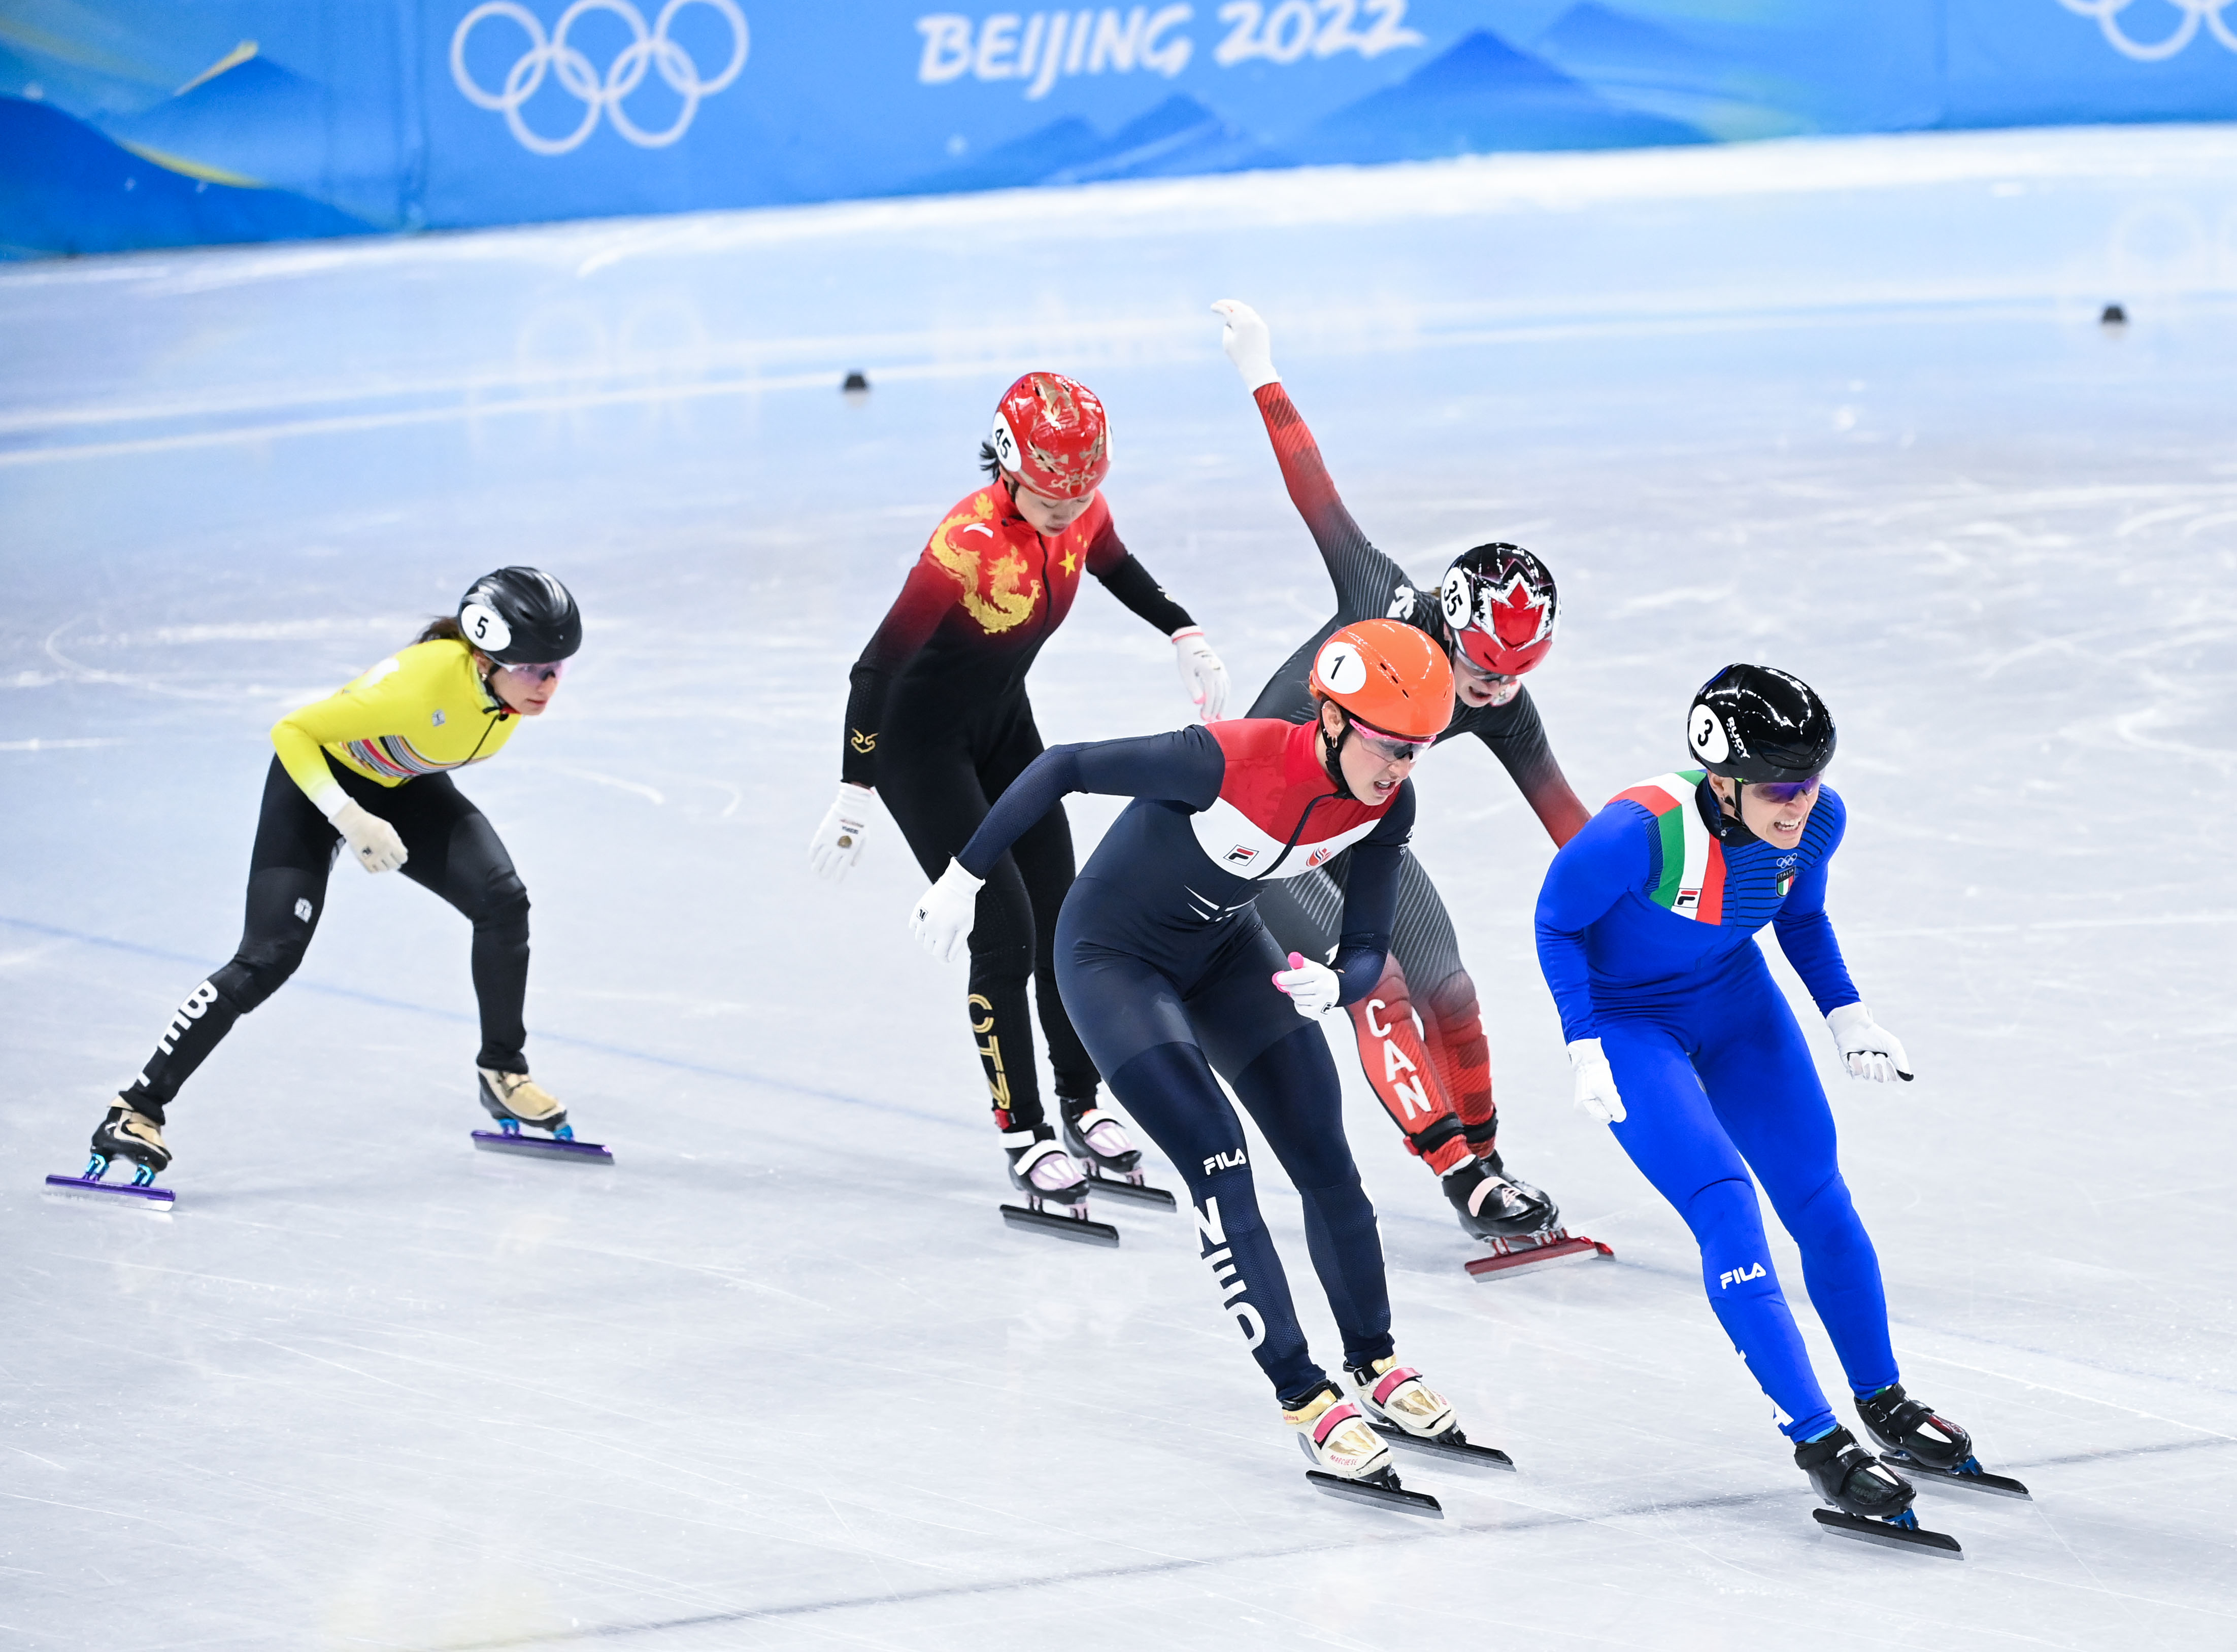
(1402, 1408)
(1349, 1458)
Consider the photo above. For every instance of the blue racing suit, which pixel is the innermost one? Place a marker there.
(1166, 971)
(1646, 926)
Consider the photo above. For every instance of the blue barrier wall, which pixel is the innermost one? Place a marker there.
(129, 123)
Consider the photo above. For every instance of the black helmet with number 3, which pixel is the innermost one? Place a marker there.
(1760, 726)
(520, 616)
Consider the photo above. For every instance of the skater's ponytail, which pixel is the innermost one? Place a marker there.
(442, 629)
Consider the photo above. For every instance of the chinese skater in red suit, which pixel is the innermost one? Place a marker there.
(939, 725)
(1172, 978)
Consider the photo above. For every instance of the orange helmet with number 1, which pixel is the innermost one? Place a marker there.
(1391, 677)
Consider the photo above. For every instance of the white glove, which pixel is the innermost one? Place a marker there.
(1870, 1050)
(371, 838)
(837, 844)
(1203, 678)
(941, 919)
(1313, 988)
(1593, 1082)
(1249, 345)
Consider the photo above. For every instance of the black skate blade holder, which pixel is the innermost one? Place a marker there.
(1452, 1447)
(1976, 1479)
(1381, 1493)
(1555, 1244)
(1889, 1535)
(1129, 1187)
(1074, 1223)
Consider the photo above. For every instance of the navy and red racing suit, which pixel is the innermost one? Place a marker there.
(937, 722)
(1168, 973)
(1437, 1089)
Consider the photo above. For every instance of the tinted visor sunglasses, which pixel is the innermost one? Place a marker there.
(1391, 748)
(1783, 791)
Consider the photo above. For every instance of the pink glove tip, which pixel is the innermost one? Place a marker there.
(1297, 960)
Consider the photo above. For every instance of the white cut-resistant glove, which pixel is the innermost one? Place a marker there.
(942, 917)
(1594, 1089)
(1870, 1050)
(837, 844)
(1313, 988)
(1243, 334)
(371, 838)
(1203, 678)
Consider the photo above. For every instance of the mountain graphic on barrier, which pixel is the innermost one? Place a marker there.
(1661, 71)
(65, 188)
(248, 118)
(1179, 137)
(1481, 96)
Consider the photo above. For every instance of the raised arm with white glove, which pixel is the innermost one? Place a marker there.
(371, 838)
(1313, 988)
(1870, 1050)
(1243, 336)
(1203, 678)
(1593, 1083)
(943, 915)
(837, 844)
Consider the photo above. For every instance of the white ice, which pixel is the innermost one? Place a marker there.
(781, 1377)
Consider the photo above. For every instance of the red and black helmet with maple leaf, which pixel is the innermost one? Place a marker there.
(1501, 605)
(1051, 432)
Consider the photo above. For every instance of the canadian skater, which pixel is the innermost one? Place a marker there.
(368, 767)
(1494, 613)
(1680, 1040)
(1170, 976)
(939, 725)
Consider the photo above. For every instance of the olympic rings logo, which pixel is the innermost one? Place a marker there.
(2108, 14)
(552, 54)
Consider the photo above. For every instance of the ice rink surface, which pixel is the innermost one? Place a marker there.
(780, 1378)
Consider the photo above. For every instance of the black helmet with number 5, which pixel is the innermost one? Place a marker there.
(1760, 726)
(520, 616)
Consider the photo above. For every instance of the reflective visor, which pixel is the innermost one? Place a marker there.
(544, 672)
(1391, 748)
(1783, 791)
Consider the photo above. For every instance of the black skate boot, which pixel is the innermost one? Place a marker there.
(1873, 1503)
(1911, 1436)
(1100, 1144)
(1494, 1204)
(1046, 1174)
(128, 1133)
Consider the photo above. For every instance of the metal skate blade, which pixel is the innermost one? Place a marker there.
(1995, 1485)
(1463, 1454)
(1393, 1495)
(1073, 1227)
(117, 1195)
(1567, 1248)
(542, 1146)
(1099, 1185)
(1916, 1538)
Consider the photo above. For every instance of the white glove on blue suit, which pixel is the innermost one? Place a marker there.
(1870, 1050)
(1593, 1083)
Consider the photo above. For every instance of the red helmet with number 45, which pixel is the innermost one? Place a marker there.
(1388, 675)
(1051, 433)
(1500, 604)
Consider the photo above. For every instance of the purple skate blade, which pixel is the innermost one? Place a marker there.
(156, 1201)
(540, 1147)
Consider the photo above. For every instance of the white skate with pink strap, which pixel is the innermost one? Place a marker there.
(1403, 1409)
